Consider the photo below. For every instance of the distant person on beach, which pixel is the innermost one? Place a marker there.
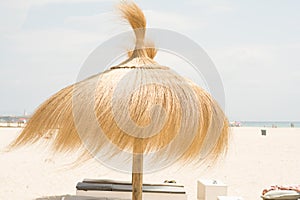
(292, 125)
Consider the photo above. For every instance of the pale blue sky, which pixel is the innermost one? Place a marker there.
(255, 46)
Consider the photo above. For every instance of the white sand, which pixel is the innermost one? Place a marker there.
(253, 163)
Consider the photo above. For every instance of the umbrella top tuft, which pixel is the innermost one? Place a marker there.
(133, 14)
(136, 18)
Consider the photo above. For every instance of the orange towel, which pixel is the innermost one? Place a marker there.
(277, 187)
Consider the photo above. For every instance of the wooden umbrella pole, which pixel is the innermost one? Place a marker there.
(137, 170)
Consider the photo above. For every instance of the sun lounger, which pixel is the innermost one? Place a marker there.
(122, 189)
(72, 197)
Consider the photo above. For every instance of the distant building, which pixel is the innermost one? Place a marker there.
(13, 120)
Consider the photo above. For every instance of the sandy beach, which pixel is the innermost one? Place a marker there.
(253, 163)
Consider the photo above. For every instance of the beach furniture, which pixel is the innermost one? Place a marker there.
(263, 132)
(210, 189)
(72, 197)
(281, 195)
(122, 189)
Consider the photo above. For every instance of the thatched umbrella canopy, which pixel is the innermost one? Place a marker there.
(137, 108)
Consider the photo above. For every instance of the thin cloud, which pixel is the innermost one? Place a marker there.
(213, 6)
(173, 21)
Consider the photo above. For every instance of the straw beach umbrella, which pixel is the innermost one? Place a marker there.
(137, 108)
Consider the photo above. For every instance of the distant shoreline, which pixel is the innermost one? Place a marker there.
(243, 125)
(271, 124)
